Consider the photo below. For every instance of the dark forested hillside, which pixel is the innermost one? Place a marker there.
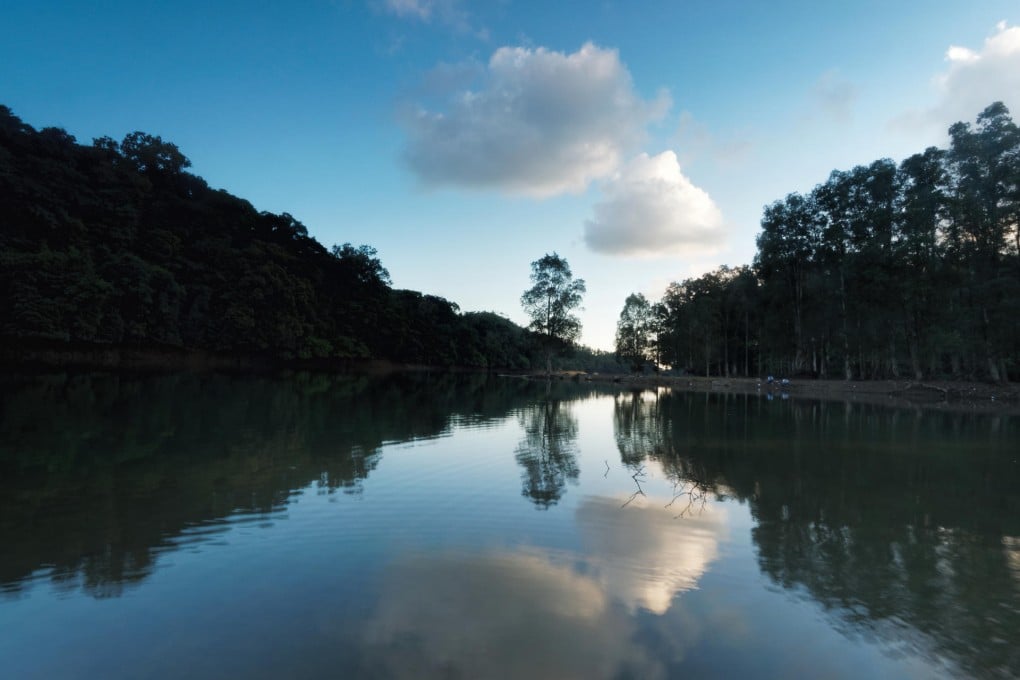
(882, 271)
(117, 244)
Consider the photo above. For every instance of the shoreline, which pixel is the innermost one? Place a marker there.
(952, 394)
(60, 356)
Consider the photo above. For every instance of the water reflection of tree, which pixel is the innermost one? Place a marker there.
(875, 513)
(99, 473)
(643, 434)
(548, 451)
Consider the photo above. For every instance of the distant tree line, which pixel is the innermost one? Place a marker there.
(117, 244)
(883, 271)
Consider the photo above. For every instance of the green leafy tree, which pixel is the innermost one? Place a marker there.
(551, 301)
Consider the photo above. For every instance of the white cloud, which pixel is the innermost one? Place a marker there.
(651, 208)
(539, 123)
(975, 79)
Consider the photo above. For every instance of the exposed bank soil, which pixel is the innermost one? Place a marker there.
(997, 396)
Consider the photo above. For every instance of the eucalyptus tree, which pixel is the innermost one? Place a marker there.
(787, 248)
(984, 166)
(674, 337)
(551, 301)
(919, 254)
(633, 332)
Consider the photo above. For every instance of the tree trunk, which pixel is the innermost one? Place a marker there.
(993, 369)
(915, 361)
(893, 364)
(993, 364)
(848, 373)
(747, 350)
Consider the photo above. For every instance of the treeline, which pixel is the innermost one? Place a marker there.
(117, 244)
(882, 271)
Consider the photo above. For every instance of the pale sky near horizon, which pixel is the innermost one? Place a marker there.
(640, 140)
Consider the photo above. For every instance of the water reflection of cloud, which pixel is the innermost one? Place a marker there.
(543, 613)
(500, 615)
(645, 556)
(1011, 544)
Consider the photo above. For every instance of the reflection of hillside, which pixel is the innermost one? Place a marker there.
(873, 512)
(99, 473)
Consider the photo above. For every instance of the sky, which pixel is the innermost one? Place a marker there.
(464, 140)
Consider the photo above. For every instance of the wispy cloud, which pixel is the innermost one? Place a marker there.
(697, 142)
(416, 9)
(538, 122)
(651, 208)
(835, 96)
(448, 13)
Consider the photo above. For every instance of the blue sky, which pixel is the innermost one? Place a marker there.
(463, 140)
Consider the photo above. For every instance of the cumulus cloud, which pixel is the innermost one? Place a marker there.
(651, 208)
(538, 122)
(975, 79)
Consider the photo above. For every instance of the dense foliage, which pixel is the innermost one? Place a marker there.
(882, 271)
(116, 244)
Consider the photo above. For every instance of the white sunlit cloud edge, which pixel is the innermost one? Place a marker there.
(970, 81)
(651, 209)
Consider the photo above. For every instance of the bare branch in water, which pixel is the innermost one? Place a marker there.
(640, 492)
(696, 493)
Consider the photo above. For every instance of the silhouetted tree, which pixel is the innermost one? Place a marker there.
(550, 303)
(633, 332)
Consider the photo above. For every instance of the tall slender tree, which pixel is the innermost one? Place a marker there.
(551, 301)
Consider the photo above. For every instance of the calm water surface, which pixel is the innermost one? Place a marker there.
(465, 527)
